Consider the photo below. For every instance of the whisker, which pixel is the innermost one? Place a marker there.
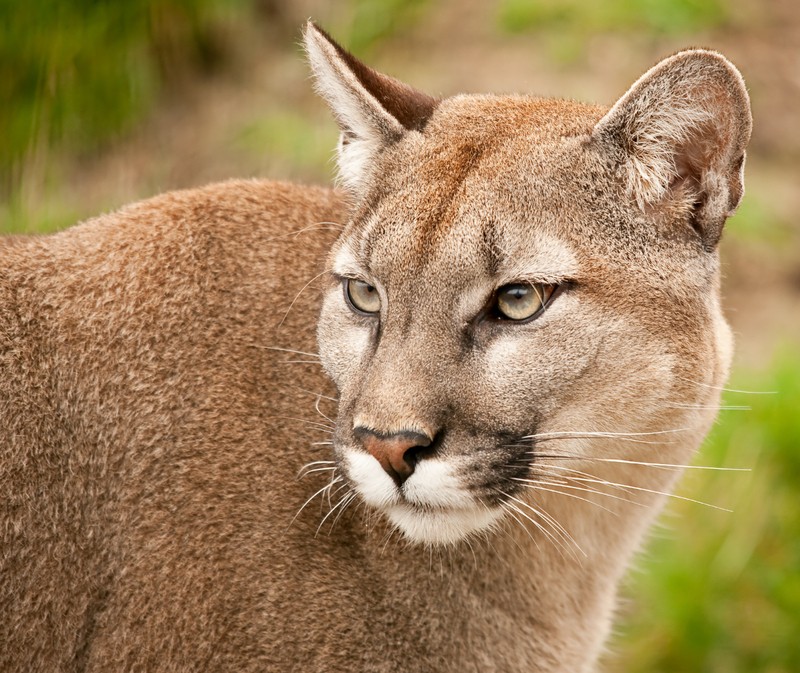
(564, 468)
(721, 407)
(351, 495)
(303, 506)
(513, 510)
(560, 546)
(297, 296)
(332, 494)
(643, 463)
(290, 350)
(557, 527)
(330, 511)
(654, 492)
(311, 392)
(548, 468)
(634, 438)
(325, 426)
(730, 390)
(520, 523)
(318, 225)
(537, 486)
(304, 473)
(319, 411)
(593, 433)
(387, 537)
(627, 488)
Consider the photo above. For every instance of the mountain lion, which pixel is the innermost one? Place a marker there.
(486, 357)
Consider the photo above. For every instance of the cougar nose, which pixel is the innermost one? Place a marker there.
(397, 452)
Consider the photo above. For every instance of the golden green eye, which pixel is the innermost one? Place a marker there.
(361, 296)
(521, 301)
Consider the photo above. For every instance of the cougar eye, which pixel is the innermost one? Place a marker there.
(361, 296)
(521, 301)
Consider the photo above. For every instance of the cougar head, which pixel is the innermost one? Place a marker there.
(518, 271)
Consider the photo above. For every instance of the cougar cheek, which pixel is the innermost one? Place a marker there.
(343, 345)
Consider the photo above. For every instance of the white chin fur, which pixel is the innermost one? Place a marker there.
(441, 526)
(433, 507)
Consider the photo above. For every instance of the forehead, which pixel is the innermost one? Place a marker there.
(482, 187)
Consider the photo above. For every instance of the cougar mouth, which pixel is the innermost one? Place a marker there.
(435, 505)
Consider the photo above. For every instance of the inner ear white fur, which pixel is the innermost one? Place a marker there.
(366, 125)
(684, 122)
(652, 160)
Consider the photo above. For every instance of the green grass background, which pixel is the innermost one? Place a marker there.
(713, 591)
(720, 591)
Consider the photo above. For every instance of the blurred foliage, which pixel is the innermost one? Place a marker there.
(719, 592)
(747, 225)
(293, 140)
(48, 216)
(76, 72)
(374, 20)
(748, 222)
(653, 16)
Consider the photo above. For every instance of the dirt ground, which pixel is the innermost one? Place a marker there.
(204, 131)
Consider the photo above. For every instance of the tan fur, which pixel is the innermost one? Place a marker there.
(153, 428)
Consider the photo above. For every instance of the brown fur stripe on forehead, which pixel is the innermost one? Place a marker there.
(440, 180)
(444, 177)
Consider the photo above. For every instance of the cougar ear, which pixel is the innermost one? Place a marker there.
(680, 132)
(373, 110)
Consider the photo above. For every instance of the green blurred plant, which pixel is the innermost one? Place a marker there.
(720, 593)
(748, 224)
(374, 20)
(75, 72)
(47, 217)
(654, 16)
(289, 138)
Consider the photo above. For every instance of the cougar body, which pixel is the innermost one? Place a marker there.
(479, 469)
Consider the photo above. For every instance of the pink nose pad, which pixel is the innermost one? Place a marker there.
(397, 453)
